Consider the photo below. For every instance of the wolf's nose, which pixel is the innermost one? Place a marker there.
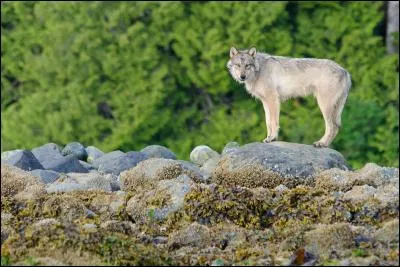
(242, 77)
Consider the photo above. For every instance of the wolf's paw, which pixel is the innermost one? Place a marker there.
(269, 139)
(320, 144)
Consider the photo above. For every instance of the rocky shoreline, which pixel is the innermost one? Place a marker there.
(257, 204)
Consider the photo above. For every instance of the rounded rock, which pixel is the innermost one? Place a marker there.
(201, 154)
(76, 149)
(231, 146)
(93, 153)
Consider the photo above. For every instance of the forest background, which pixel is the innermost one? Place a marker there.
(124, 75)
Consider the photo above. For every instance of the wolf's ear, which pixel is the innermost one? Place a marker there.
(252, 52)
(233, 52)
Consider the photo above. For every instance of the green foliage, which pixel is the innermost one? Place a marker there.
(359, 252)
(160, 67)
(5, 261)
(151, 214)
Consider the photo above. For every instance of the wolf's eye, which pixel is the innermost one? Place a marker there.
(248, 66)
(237, 65)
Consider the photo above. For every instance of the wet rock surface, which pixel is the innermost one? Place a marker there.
(240, 211)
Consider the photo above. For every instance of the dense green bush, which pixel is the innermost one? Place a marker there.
(158, 70)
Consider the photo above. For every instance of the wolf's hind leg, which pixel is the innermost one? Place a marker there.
(331, 130)
(331, 111)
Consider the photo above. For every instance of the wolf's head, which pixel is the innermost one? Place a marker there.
(243, 64)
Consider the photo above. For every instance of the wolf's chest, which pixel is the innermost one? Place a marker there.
(255, 89)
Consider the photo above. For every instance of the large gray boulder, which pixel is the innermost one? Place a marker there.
(116, 162)
(137, 156)
(23, 159)
(269, 165)
(51, 157)
(106, 158)
(157, 151)
(66, 164)
(47, 153)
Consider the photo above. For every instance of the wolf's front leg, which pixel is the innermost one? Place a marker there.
(267, 121)
(271, 108)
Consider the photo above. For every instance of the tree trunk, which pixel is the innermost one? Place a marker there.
(392, 25)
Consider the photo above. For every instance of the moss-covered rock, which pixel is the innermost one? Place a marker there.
(65, 206)
(250, 176)
(6, 231)
(124, 227)
(334, 180)
(388, 233)
(215, 203)
(342, 180)
(14, 181)
(85, 247)
(159, 203)
(147, 173)
(360, 193)
(325, 239)
(195, 234)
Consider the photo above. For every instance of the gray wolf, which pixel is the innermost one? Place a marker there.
(274, 79)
